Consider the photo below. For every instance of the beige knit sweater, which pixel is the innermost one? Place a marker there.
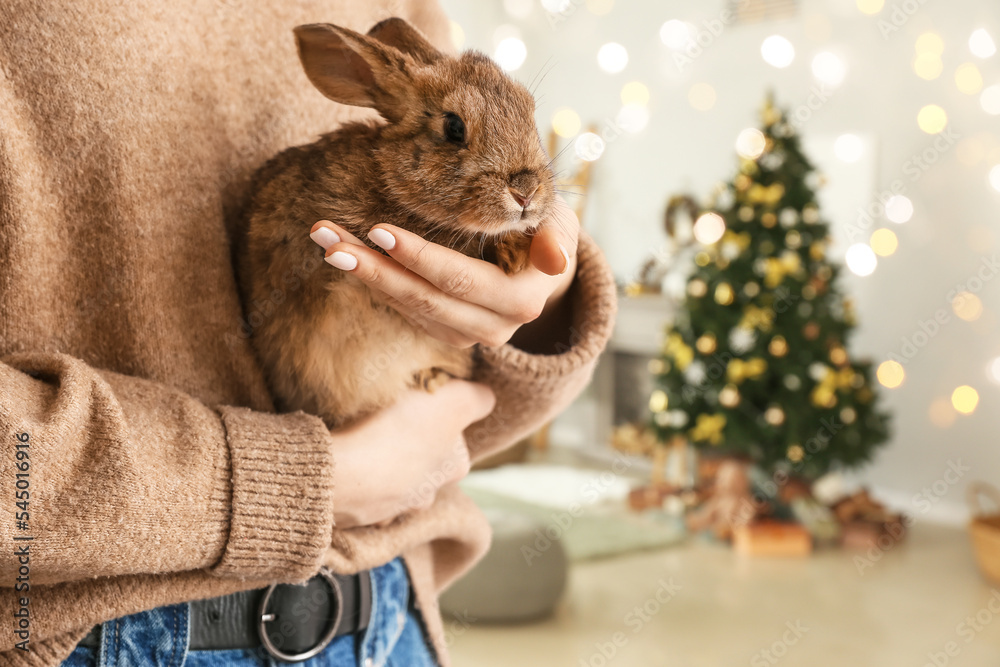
(158, 471)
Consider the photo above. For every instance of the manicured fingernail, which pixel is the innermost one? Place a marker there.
(343, 260)
(325, 237)
(565, 255)
(382, 239)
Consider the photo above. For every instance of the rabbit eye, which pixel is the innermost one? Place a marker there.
(454, 128)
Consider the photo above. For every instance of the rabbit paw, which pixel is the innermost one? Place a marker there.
(512, 253)
(430, 379)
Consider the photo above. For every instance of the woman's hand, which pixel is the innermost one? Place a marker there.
(396, 460)
(458, 299)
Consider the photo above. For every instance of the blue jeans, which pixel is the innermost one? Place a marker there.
(159, 637)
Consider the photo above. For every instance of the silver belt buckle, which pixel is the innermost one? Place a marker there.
(266, 618)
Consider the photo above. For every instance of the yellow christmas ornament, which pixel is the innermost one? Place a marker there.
(729, 397)
(776, 268)
(708, 428)
(838, 356)
(778, 346)
(768, 195)
(706, 343)
(724, 294)
(658, 401)
(824, 393)
(743, 182)
(769, 220)
(795, 453)
(817, 251)
(738, 370)
(741, 240)
(755, 317)
(675, 347)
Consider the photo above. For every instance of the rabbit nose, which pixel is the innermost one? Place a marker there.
(522, 200)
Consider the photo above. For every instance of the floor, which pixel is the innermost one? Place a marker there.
(920, 603)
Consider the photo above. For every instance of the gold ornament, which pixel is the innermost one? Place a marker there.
(743, 182)
(741, 240)
(697, 288)
(823, 397)
(702, 258)
(793, 239)
(729, 397)
(774, 416)
(768, 195)
(795, 453)
(746, 213)
(751, 289)
(824, 393)
(808, 292)
(675, 347)
(724, 294)
(708, 428)
(811, 331)
(757, 318)
(738, 370)
(658, 401)
(769, 220)
(778, 346)
(838, 355)
(848, 415)
(817, 251)
(776, 268)
(706, 343)
(810, 214)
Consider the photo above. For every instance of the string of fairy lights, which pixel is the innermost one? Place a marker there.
(827, 67)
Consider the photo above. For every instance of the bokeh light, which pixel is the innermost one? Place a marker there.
(967, 306)
(884, 242)
(848, 148)
(861, 259)
(635, 92)
(942, 413)
(633, 118)
(981, 44)
(557, 6)
(965, 399)
(899, 209)
(932, 119)
(990, 100)
(968, 79)
(612, 57)
(702, 96)
(519, 9)
(589, 146)
(777, 51)
(600, 7)
(929, 42)
(995, 177)
(870, 6)
(677, 35)
(993, 371)
(511, 53)
(709, 228)
(890, 374)
(928, 66)
(829, 68)
(566, 122)
(457, 35)
(750, 143)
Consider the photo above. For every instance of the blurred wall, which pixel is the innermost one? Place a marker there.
(952, 237)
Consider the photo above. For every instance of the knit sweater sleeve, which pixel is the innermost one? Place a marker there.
(532, 388)
(127, 476)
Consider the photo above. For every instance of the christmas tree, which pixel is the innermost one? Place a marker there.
(756, 365)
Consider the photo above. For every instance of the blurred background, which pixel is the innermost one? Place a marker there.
(623, 534)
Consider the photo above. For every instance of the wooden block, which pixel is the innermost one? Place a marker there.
(772, 538)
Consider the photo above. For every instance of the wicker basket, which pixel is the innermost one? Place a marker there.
(985, 530)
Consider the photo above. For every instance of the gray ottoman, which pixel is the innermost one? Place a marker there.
(521, 578)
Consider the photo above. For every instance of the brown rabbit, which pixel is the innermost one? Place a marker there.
(458, 159)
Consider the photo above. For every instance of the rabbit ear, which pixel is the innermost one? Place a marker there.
(399, 34)
(353, 69)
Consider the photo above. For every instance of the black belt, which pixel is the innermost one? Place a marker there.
(292, 622)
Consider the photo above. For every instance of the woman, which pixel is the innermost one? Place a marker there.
(165, 498)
